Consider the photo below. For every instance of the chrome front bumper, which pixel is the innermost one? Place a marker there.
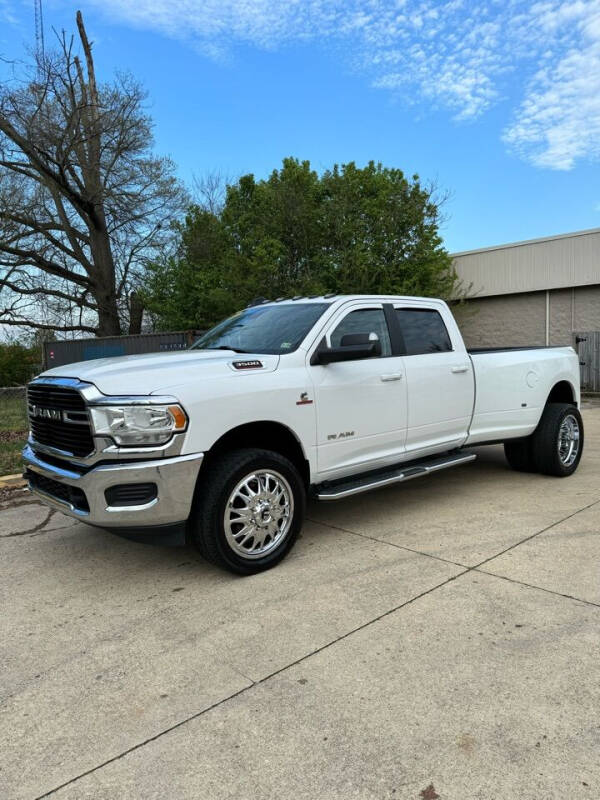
(175, 479)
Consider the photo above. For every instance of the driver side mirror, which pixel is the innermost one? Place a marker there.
(353, 346)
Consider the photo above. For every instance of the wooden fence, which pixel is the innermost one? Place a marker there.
(587, 344)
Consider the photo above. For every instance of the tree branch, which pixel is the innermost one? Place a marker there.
(45, 174)
(71, 298)
(43, 326)
(33, 258)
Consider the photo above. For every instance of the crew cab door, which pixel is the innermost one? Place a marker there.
(360, 404)
(439, 379)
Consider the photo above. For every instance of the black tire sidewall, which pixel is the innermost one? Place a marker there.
(519, 454)
(546, 440)
(233, 467)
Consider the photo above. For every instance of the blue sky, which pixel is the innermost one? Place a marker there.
(497, 102)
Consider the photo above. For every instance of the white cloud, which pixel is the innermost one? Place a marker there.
(558, 122)
(7, 15)
(457, 54)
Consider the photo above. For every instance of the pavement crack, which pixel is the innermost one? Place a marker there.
(539, 588)
(390, 544)
(137, 746)
(35, 529)
(537, 533)
(447, 560)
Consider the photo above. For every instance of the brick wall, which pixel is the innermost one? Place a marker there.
(561, 305)
(587, 308)
(505, 321)
(520, 319)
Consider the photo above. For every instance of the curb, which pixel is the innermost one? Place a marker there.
(12, 481)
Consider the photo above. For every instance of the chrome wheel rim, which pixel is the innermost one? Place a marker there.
(258, 514)
(568, 440)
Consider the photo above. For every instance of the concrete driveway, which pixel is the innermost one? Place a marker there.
(436, 640)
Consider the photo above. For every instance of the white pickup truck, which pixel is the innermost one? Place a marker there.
(324, 397)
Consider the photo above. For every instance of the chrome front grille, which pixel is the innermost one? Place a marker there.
(58, 418)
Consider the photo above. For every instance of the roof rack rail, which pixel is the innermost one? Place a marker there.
(330, 294)
(297, 297)
(258, 301)
(278, 299)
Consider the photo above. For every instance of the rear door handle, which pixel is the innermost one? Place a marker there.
(462, 368)
(391, 376)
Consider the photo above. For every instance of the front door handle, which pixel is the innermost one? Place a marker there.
(391, 376)
(462, 368)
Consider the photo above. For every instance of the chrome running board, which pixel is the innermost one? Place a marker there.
(365, 483)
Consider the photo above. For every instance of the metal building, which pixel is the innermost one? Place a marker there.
(59, 353)
(539, 292)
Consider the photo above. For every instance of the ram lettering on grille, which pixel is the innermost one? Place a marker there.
(58, 419)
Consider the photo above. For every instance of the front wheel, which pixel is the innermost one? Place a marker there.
(248, 511)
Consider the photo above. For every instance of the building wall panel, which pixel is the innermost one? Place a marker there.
(554, 263)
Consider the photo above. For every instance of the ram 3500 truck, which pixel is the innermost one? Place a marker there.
(324, 397)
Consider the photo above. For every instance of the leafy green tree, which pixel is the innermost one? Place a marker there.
(349, 230)
(380, 234)
(194, 288)
(276, 229)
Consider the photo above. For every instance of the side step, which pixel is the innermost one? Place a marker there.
(364, 483)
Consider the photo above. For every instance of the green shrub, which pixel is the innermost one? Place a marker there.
(18, 364)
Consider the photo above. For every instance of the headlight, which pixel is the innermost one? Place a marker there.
(142, 425)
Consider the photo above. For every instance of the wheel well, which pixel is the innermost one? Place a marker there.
(562, 392)
(267, 436)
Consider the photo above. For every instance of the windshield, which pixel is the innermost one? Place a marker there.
(263, 329)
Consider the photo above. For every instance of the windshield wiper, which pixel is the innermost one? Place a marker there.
(224, 347)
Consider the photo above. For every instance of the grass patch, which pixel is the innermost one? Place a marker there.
(11, 462)
(13, 432)
(13, 413)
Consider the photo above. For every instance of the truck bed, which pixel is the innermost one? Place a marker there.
(512, 386)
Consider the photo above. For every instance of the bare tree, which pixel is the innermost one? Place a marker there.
(209, 191)
(84, 203)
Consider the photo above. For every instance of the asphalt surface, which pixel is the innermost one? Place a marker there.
(439, 639)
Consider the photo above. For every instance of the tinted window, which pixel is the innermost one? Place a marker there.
(424, 331)
(263, 329)
(364, 320)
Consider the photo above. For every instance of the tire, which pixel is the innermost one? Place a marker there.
(557, 442)
(519, 454)
(236, 532)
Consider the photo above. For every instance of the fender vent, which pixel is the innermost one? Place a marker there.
(131, 494)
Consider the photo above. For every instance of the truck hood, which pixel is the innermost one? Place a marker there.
(152, 373)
